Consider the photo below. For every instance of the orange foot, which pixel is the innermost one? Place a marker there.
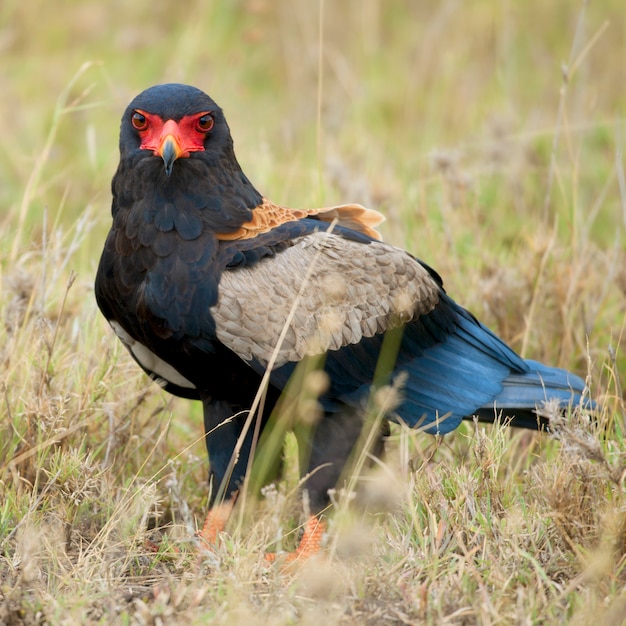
(309, 545)
(215, 522)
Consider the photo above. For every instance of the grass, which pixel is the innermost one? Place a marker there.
(492, 137)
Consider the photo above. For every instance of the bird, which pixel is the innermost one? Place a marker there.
(218, 292)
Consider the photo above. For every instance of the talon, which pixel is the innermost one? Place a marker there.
(215, 522)
(310, 544)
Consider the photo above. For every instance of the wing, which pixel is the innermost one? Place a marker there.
(302, 287)
(325, 293)
(322, 293)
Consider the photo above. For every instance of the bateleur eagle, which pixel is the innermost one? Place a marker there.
(209, 285)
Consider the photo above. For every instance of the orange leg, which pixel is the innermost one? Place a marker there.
(309, 545)
(215, 522)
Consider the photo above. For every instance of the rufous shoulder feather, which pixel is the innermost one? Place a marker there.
(268, 215)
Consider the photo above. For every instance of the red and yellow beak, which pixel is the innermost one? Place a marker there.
(170, 147)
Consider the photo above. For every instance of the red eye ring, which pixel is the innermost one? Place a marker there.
(139, 121)
(205, 123)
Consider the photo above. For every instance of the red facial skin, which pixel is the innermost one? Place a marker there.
(169, 139)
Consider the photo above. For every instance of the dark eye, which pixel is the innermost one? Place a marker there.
(139, 121)
(205, 123)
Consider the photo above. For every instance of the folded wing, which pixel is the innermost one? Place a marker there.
(328, 294)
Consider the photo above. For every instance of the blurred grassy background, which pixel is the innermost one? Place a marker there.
(478, 130)
(491, 134)
(423, 110)
(400, 81)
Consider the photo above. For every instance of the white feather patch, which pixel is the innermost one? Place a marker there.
(150, 361)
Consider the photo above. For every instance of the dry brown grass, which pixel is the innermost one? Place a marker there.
(503, 172)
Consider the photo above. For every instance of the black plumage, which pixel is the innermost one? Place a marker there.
(199, 274)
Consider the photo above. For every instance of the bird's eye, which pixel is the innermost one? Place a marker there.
(139, 121)
(205, 123)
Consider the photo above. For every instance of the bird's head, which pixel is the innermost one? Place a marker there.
(173, 122)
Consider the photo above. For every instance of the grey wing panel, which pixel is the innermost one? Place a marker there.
(340, 291)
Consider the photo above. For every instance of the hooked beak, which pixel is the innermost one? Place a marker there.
(169, 150)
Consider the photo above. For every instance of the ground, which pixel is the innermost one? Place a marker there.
(491, 135)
